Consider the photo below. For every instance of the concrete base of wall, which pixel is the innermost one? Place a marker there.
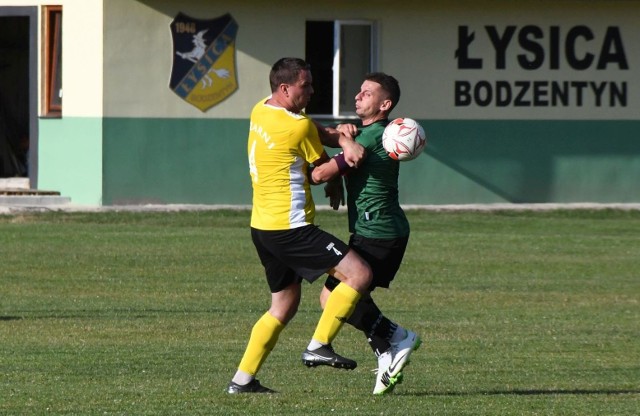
(34, 200)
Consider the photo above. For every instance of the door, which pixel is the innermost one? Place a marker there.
(18, 93)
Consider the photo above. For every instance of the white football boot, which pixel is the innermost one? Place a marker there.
(401, 352)
(384, 382)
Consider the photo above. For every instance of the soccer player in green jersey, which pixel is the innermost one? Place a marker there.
(379, 227)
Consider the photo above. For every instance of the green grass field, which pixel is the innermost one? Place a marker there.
(521, 313)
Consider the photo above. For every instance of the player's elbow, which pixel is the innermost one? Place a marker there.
(319, 175)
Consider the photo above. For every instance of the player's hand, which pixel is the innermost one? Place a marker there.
(335, 192)
(348, 129)
(354, 153)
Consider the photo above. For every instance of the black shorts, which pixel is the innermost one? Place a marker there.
(288, 256)
(383, 255)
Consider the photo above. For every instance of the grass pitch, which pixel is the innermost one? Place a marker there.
(521, 313)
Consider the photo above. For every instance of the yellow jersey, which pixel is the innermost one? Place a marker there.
(281, 146)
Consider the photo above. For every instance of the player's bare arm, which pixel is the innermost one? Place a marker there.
(350, 147)
(331, 137)
(353, 151)
(324, 169)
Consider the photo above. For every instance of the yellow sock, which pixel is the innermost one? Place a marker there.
(264, 336)
(339, 307)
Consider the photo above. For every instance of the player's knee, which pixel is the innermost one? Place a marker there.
(284, 304)
(283, 314)
(362, 276)
(355, 272)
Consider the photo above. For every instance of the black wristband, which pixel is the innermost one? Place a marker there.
(342, 164)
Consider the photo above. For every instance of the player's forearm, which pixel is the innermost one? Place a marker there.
(329, 169)
(324, 173)
(329, 136)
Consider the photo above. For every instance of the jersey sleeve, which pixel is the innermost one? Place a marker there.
(311, 147)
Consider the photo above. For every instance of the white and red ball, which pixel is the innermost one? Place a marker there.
(404, 139)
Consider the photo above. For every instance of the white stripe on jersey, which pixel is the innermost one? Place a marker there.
(297, 217)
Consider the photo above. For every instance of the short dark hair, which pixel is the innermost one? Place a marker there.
(388, 83)
(286, 71)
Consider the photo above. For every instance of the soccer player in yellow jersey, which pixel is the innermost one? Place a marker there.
(283, 143)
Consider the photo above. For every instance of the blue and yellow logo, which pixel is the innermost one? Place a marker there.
(204, 59)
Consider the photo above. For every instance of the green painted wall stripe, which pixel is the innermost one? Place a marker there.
(70, 158)
(164, 161)
(203, 161)
(532, 161)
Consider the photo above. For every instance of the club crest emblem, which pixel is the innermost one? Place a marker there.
(204, 59)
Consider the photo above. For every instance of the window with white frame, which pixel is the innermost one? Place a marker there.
(340, 53)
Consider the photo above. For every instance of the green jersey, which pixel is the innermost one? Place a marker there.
(372, 190)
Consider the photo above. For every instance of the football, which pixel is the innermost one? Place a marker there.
(404, 139)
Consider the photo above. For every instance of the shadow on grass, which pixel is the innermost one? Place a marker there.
(10, 318)
(532, 392)
(108, 314)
